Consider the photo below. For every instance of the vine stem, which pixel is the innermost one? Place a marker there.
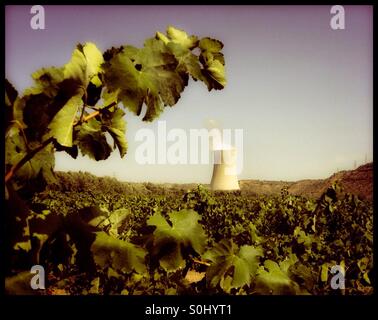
(26, 158)
(94, 114)
(201, 262)
(45, 143)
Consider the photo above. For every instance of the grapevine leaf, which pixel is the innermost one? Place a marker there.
(192, 276)
(303, 275)
(34, 111)
(94, 59)
(227, 259)
(274, 279)
(61, 127)
(95, 286)
(116, 126)
(25, 246)
(146, 75)
(215, 75)
(181, 37)
(110, 97)
(54, 100)
(213, 61)
(120, 76)
(41, 103)
(303, 238)
(241, 273)
(118, 254)
(162, 37)
(250, 254)
(110, 53)
(76, 68)
(363, 264)
(92, 141)
(48, 81)
(366, 278)
(187, 61)
(255, 238)
(211, 50)
(72, 151)
(288, 262)
(180, 44)
(85, 63)
(168, 241)
(116, 219)
(93, 94)
(16, 148)
(173, 260)
(185, 225)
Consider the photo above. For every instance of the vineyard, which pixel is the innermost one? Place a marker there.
(195, 242)
(99, 237)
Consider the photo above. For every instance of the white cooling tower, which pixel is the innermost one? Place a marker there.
(224, 172)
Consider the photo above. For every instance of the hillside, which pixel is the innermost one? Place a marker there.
(358, 181)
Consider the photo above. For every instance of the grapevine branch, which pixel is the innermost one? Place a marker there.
(94, 114)
(45, 143)
(26, 158)
(201, 262)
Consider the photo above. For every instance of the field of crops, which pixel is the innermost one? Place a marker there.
(197, 242)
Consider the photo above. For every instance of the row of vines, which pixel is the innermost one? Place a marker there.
(198, 242)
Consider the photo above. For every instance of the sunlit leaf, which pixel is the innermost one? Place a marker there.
(85, 63)
(213, 62)
(193, 276)
(61, 127)
(181, 37)
(146, 75)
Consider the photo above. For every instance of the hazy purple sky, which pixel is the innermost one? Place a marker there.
(301, 91)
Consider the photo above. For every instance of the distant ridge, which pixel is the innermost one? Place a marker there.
(358, 181)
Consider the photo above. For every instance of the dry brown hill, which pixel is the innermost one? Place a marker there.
(358, 181)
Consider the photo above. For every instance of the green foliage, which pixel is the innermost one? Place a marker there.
(114, 124)
(77, 106)
(157, 73)
(16, 148)
(99, 236)
(145, 241)
(145, 75)
(61, 126)
(84, 65)
(213, 60)
(119, 255)
(170, 240)
(231, 267)
(91, 140)
(273, 278)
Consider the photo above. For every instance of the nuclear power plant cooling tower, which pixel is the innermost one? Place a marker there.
(224, 172)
